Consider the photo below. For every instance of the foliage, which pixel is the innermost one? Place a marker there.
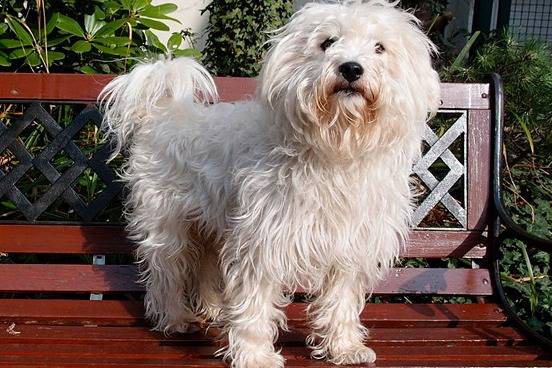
(526, 68)
(98, 36)
(237, 34)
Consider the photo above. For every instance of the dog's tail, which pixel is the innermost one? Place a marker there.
(132, 101)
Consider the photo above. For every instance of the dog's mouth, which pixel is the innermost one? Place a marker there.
(347, 90)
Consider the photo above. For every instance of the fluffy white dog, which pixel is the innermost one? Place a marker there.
(233, 205)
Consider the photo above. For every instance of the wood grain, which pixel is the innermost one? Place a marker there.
(131, 313)
(68, 239)
(122, 278)
(85, 88)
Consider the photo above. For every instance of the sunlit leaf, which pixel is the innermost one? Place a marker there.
(4, 61)
(174, 41)
(153, 40)
(88, 70)
(119, 51)
(69, 25)
(188, 53)
(92, 25)
(157, 13)
(10, 44)
(33, 59)
(24, 36)
(81, 46)
(110, 27)
(150, 23)
(19, 53)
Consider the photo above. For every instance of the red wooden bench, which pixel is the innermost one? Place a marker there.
(58, 309)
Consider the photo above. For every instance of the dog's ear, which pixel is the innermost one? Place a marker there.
(418, 71)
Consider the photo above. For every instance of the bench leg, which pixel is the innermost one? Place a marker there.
(335, 314)
(252, 315)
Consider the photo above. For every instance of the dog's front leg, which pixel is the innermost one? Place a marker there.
(338, 333)
(252, 314)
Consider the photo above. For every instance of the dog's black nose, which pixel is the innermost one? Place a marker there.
(351, 71)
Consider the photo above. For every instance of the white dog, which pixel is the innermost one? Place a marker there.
(306, 186)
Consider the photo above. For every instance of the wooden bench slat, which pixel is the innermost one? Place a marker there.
(65, 239)
(130, 313)
(40, 334)
(121, 278)
(428, 355)
(85, 88)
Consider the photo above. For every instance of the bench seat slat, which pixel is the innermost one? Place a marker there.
(65, 239)
(121, 278)
(130, 313)
(387, 355)
(40, 334)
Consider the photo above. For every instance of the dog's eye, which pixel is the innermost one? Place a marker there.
(327, 43)
(379, 48)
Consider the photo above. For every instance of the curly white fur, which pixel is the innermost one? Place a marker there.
(232, 205)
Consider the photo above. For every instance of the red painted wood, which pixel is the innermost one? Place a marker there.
(415, 355)
(85, 88)
(112, 239)
(479, 168)
(63, 239)
(131, 313)
(91, 335)
(121, 278)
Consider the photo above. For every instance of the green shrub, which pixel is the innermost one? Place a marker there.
(237, 34)
(526, 68)
(89, 37)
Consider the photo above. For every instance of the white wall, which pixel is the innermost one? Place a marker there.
(189, 14)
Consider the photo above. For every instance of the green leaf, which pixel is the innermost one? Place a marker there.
(10, 44)
(157, 13)
(119, 51)
(81, 46)
(3, 27)
(33, 59)
(24, 36)
(99, 13)
(111, 27)
(69, 25)
(55, 55)
(88, 70)
(167, 8)
(153, 40)
(459, 61)
(19, 53)
(174, 41)
(150, 23)
(52, 22)
(92, 25)
(140, 4)
(4, 61)
(188, 53)
(56, 41)
(117, 41)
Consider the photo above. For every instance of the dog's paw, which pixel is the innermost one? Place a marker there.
(182, 327)
(357, 355)
(259, 360)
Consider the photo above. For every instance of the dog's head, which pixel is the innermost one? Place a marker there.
(350, 77)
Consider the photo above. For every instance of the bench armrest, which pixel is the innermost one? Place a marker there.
(501, 217)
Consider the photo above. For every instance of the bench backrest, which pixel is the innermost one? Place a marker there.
(83, 256)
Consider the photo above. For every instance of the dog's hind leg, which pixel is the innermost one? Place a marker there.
(338, 333)
(209, 283)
